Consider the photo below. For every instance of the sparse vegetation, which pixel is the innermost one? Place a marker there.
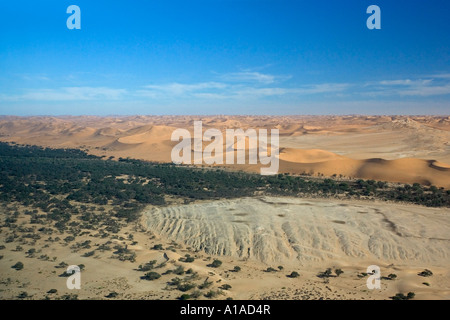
(151, 276)
(225, 287)
(426, 273)
(293, 274)
(18, 266)
(401, 296)
(215, 264)
(325, 274)
(206, 284)
(112, 295)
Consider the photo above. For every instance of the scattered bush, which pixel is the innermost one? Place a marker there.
(18, 266)
(215, 264)
(401, 296)
(112, 295)
(179, 270)
(225, 287)
(183, 287)
(426, 273)
(206, 284)
(294, 274)
(88, 254)
(151, 276)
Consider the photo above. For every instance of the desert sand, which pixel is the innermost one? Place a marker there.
(286, 234)
(388, 148)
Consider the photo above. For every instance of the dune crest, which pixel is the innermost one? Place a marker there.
(389, 148)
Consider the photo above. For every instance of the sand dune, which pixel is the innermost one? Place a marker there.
(388, 148)
(307, 232)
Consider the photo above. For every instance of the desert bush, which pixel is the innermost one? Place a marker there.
(212, 294)
(179, 270)
(294, 274)
(425, 273)
(88, 254)
(215, 264)
(401, 296)
(151, 276)
(225, 287)
(112, 295)
(148, 266)
(18, 266)
(183, 287)
(206, 284)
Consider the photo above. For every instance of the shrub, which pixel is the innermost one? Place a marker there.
(212, 294)
(179, 270)
(148, 266)
(325, 274)
(62, 265)
(18, 266)
(158, 247)
(401, 296)
(225, 287)
(215, 264)
(185, 286)
(184, 297)
(270, 269)
(425, 273)
(195, 294)
(112, 295)
(236, 269)
(294, 274)
(338, 272)
(151, 276)
(52, 291)
(89, 254)
(205, 284)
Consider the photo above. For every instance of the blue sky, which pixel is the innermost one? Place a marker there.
(224, 57)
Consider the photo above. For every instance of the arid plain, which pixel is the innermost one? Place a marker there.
(268, 238)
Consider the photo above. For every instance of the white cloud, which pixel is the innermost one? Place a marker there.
(68, 94)
(181, 88)
(252, 76)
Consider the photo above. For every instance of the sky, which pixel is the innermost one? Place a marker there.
(214, 57)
